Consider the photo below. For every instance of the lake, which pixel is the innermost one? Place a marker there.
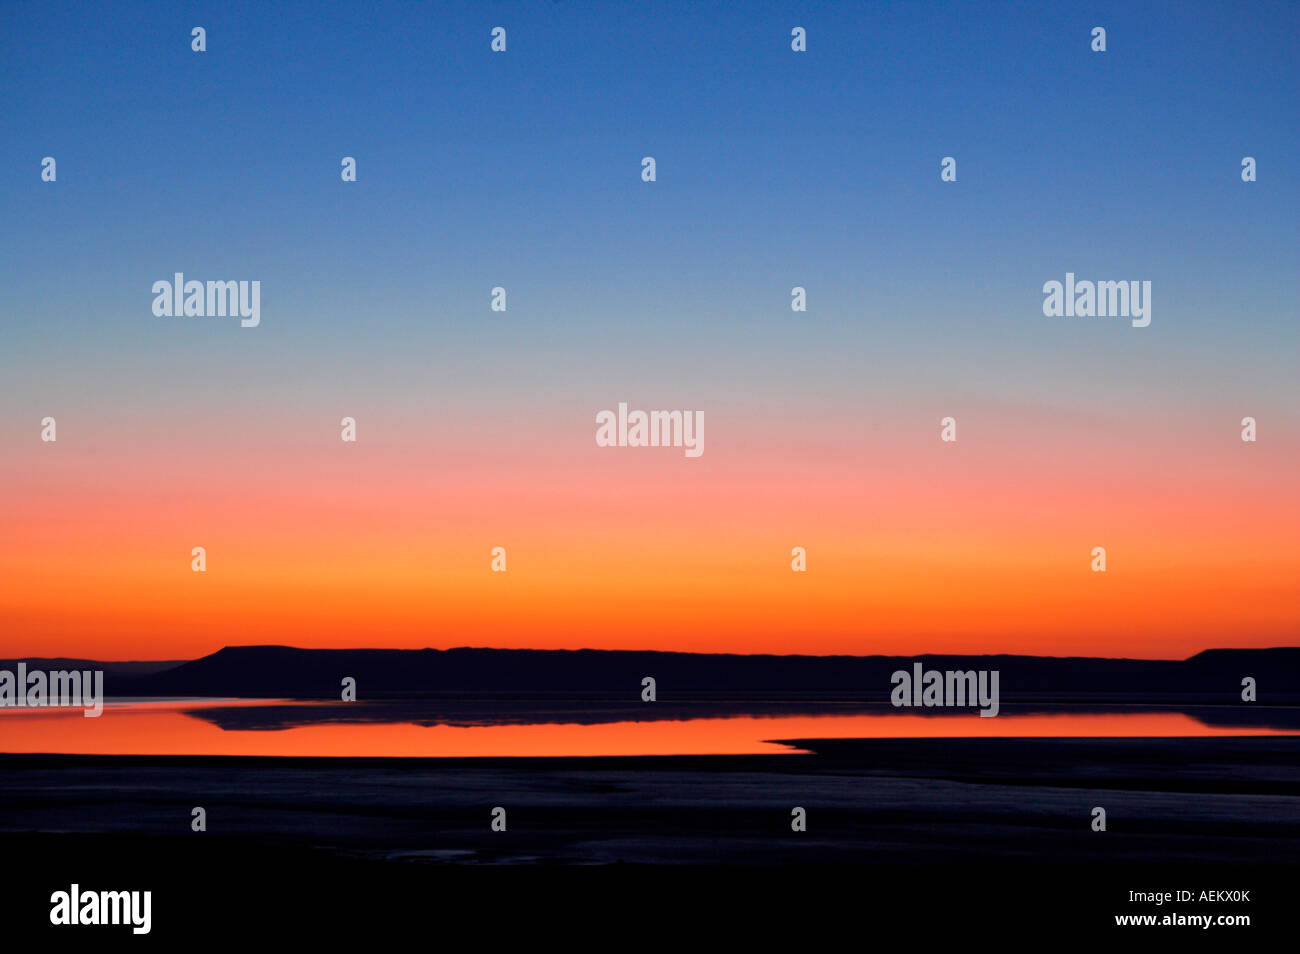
(262, 727)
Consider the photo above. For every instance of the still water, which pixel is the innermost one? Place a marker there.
(286, 728)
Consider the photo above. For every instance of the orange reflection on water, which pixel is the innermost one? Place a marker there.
(165, 728)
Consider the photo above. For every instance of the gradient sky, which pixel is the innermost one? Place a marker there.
(476, 429)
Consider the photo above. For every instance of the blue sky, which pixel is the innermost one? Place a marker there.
(774, 169)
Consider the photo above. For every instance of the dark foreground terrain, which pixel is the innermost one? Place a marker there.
(1223, 800)
(1004, 825)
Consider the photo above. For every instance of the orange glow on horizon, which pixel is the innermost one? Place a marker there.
(963, 549)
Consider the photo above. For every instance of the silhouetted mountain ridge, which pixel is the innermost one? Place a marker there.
(56, 663)
(289, 672)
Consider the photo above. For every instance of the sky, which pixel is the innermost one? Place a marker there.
(475, 428)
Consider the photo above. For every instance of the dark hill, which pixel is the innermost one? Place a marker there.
(281, 671)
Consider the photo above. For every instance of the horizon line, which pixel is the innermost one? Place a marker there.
(662, 652)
